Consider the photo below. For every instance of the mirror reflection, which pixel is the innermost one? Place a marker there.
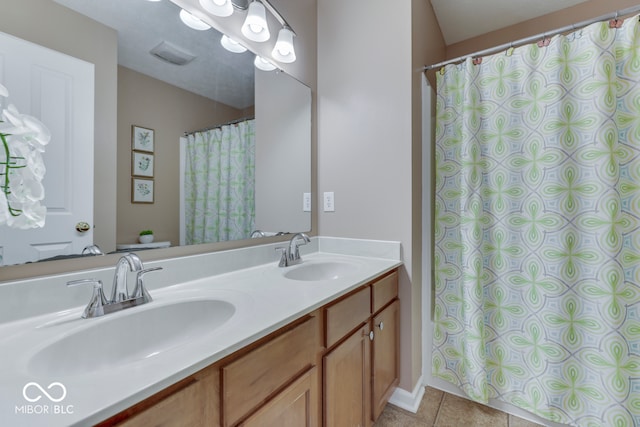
(173, 101)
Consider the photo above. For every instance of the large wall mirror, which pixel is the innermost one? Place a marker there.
(215, 88)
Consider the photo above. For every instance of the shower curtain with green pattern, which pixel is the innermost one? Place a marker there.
(220, 184)
(537, 227)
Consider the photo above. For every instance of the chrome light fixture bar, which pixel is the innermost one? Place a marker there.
(254, 28)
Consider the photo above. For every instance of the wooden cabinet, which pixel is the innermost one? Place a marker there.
(362, 370)
(346, 382)
(385, 356)
(193, 402)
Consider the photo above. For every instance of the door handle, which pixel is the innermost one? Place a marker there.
(83, 227)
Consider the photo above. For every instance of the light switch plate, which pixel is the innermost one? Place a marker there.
(306, 202)
(329, 204)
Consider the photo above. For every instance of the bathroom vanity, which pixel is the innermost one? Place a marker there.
(255, 344)
(337, 365)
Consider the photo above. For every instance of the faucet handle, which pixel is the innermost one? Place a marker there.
(140, 290)
(284, 261)
(96, 305)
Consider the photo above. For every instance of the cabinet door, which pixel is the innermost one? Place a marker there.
(347, 376)
(295, 406)
(194, 405)
(385, 358)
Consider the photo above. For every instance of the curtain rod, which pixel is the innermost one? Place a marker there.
(546, 34)
(232, 122)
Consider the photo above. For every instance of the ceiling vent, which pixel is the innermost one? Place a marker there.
(172, 53)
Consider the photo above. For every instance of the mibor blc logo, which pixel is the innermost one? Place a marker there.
(44, 400)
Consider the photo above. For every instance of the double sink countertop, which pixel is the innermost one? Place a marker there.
(59, 369)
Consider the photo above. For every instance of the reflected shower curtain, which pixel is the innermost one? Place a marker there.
(537, 227)
(220, 183)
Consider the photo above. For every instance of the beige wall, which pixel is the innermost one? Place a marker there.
(169, 111)
(369, 130)
(571, 15)
(48, 24)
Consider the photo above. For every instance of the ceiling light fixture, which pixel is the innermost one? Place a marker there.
(255, 26)
(221, 8)
(231, 45)
(263, 64)
(192, 22)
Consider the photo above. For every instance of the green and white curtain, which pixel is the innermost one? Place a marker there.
(537, 227)
(220, 184)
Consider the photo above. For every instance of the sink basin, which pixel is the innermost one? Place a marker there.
(125, 338)
(321, 270)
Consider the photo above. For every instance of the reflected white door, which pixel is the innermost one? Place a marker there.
(59, 90)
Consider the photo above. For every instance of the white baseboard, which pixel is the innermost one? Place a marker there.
(409, 401)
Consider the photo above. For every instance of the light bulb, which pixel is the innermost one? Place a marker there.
(263, 64)
(231, 45)
(221, 8)
(283, 51)
(192, 22)
(255, 25)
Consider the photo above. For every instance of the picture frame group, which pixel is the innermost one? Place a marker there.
(142, 164)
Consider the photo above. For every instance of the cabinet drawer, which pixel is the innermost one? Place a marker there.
(251, 379)
(346, 315)
(295, 406)
(384, 291)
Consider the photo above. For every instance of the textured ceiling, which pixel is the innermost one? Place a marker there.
(463, 19)
(141, 25)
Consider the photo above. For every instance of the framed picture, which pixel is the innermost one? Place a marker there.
(142, 164)
(141, 190)
(141, 139)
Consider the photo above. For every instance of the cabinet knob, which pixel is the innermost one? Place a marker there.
(371, 336)
(380, 325)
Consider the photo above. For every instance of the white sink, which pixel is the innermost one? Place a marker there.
(321, 270)
(127, 337)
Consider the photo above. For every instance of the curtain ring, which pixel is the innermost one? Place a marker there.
(615, 22)
(545, 41)
(509, 50)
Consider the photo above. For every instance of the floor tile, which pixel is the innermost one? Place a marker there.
(440, 409)
(392, 417)
(458, 412)
(428, 410)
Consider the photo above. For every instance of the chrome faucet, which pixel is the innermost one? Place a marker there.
(257, 233)
(128, 262)
(92, 250)
(120, 297)
(291, 254)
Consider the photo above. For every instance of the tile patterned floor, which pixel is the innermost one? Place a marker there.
(440, 409)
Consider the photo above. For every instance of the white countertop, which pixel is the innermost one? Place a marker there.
(264, 301)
